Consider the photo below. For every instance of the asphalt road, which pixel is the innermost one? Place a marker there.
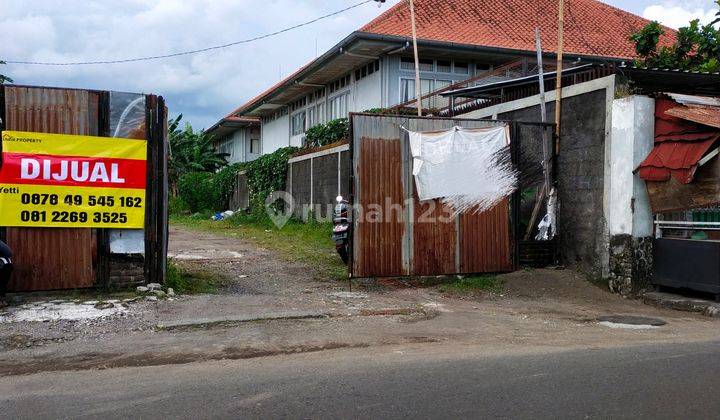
(419, 381)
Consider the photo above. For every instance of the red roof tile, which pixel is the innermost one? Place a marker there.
(670, 127)
(705, 115)
(680, 143)
(591, 27)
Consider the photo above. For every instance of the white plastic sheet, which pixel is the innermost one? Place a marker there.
(469, 169)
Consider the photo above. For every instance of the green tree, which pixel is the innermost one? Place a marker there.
(697, 47)
(3, 78)
(191, 151)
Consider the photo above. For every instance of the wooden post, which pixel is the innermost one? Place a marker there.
(418, 94)
(541, 75)
(558, 80)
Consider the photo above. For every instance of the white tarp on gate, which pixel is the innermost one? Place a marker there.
(469, 169)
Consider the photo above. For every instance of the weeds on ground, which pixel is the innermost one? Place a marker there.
(185, 281)
(310, 243)
(490, 284)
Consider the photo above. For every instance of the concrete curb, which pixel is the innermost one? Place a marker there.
(229, 320)
(681, 303)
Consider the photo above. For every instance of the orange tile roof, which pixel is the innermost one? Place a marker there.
(591, 27)
(507, 24)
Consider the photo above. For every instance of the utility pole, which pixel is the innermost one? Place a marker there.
(418, 90)
(558, 80)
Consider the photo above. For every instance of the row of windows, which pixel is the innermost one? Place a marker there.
(339, 84)
(438, 66)
(298, 104)
(407, 91)
(337, 107)
(367, 70)
(228, 146)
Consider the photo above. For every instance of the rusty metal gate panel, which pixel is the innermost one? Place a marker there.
(434, 249)
(52, 258)
(427, 240)
(378, 233)
(485, 241)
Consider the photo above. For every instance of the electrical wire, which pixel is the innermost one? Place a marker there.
(190, 52)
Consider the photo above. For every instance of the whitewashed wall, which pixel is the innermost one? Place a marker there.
(367, 93)
(276, 134)
(633, 120)
(235, 146)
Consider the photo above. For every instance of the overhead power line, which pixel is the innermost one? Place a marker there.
(190, 52)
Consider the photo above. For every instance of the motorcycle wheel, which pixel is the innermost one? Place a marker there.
(344, 254)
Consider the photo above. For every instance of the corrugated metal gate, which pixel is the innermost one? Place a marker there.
(396, 235)
(68, 258)
(58, 258)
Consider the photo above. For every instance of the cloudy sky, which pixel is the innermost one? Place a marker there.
(203, 87)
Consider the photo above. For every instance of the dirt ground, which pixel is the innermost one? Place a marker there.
(267, 305)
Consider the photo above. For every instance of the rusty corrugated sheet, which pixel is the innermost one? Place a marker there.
(434, 236)
(52, 258)
(705, 115)
(427, 241)
(378, 234)
(485, 245)
(680, 142)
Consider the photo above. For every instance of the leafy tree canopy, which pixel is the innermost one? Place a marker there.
(696, 48)
(191, 151)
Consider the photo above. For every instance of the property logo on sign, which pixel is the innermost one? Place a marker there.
(61, 180)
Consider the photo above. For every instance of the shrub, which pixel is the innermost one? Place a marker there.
(330, 132)
(177, 206)
(225, 182)
(198, 191)
(267, 174)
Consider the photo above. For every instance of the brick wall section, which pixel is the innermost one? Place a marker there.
(580, 178)
(126, 271)
(325, 184)
(300, 186)
(345, 171)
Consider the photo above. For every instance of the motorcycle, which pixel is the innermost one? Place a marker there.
(342, 228)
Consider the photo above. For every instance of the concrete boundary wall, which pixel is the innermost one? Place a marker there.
(584, 170)
(315, 179)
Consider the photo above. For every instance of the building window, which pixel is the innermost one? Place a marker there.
(311, 117)
(444, 66)
(481, 68)
(462, 67)
(255, 146)
(441, 102)
(298, 123)
(321, 113)
(426, 64)
(407, 90)
(407, 63)
(340, 83)
(339, 106)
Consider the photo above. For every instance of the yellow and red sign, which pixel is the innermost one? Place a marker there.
(62, 180)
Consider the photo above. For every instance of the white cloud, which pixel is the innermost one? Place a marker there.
(676, 14)
(203, 87)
